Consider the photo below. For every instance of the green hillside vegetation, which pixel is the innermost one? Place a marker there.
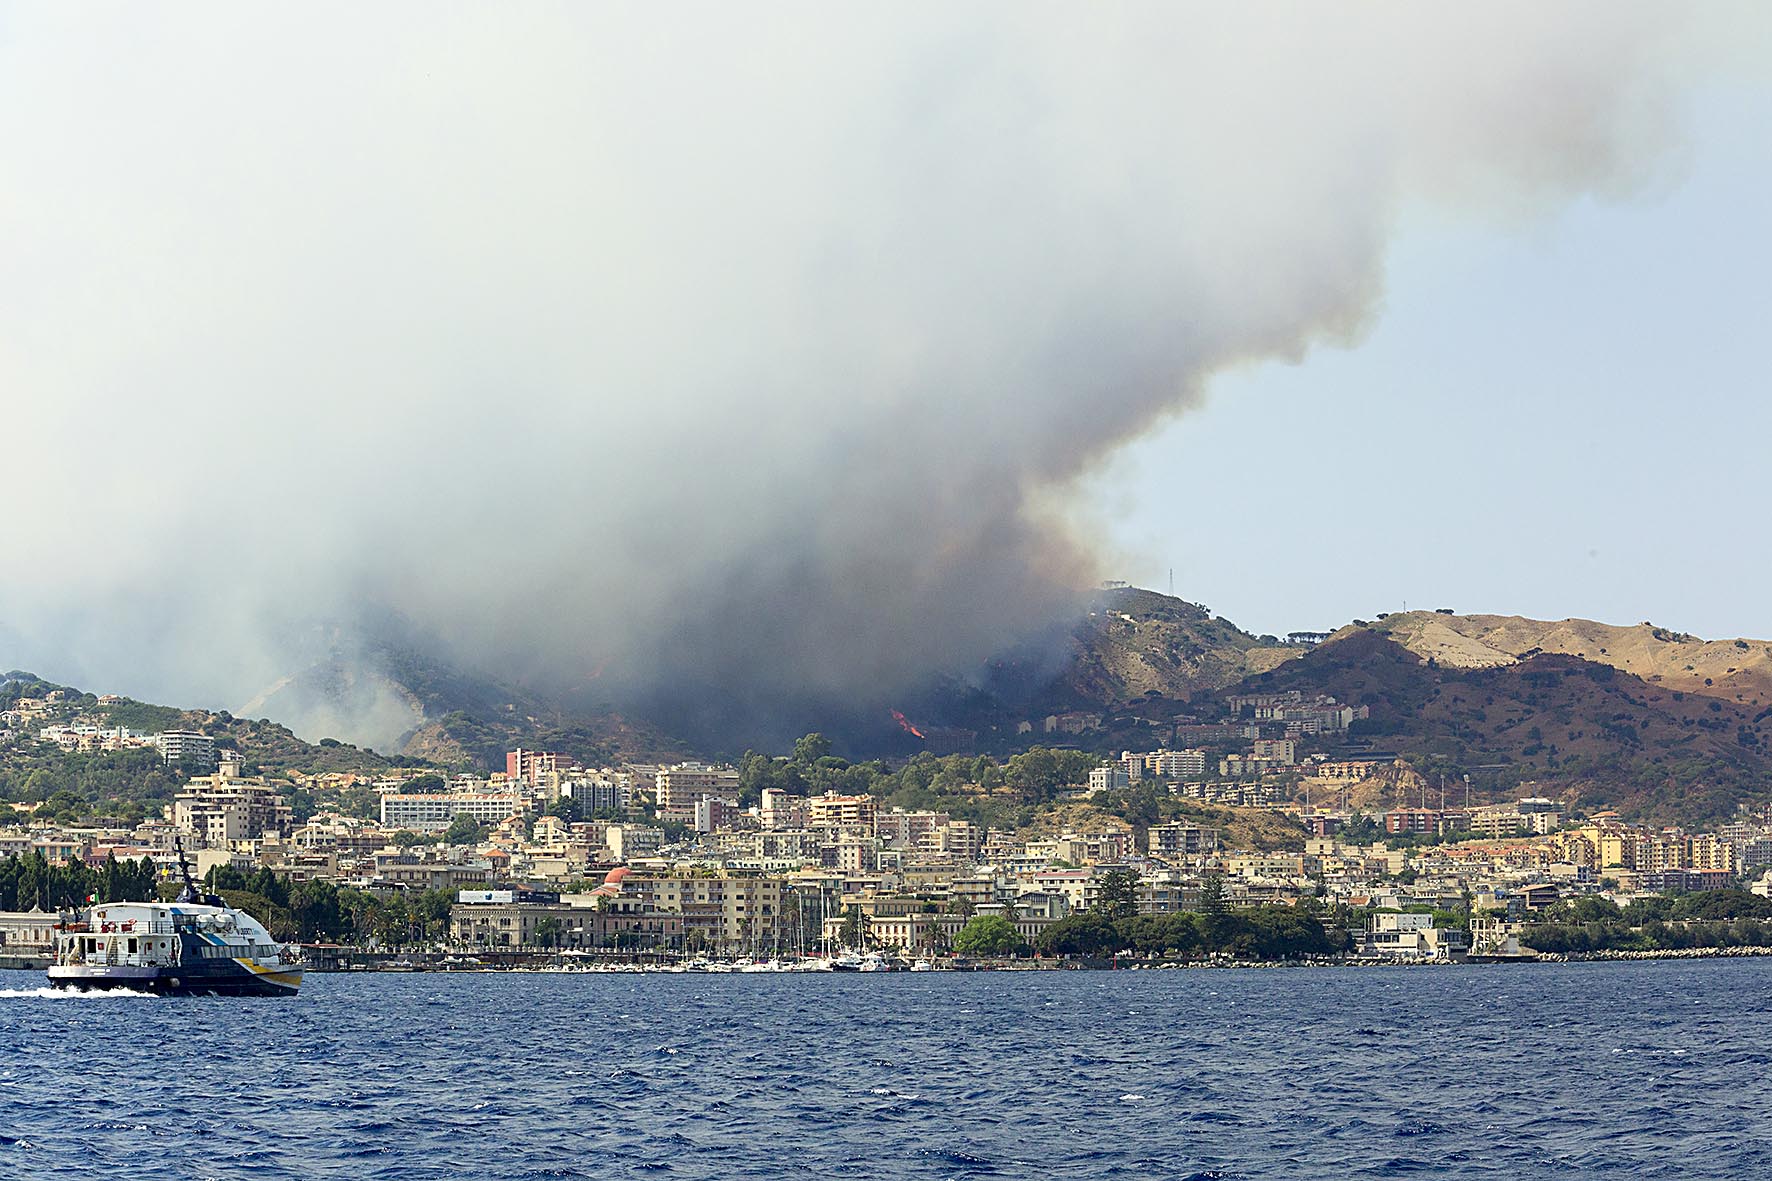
(1036, 789)
(268, 748)
(976, 788)
(139, 716)
(127, 786)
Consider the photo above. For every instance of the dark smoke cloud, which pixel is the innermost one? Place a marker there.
(744, 356)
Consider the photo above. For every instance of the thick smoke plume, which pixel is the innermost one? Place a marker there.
(743, 355)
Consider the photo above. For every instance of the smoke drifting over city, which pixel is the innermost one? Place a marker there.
(727, 354)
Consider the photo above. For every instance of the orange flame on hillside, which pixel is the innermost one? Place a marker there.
(905, 725)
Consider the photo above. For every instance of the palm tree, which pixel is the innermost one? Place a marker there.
(547, 931)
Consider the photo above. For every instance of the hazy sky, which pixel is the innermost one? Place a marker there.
(751, 357)
(1565, 418)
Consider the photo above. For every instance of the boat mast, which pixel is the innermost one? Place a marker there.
(188, 893)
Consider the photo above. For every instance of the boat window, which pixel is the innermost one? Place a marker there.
(132, 947)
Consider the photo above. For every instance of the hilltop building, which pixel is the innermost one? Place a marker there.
(178, 746)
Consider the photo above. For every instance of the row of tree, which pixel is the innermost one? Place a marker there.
(1248, 933)
(1113, 925)
(1709, 918)
(1252, 933)
(31, 880)
(1655, 935)
(311, 911)
(324, 912)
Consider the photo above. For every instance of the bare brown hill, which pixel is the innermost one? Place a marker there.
(1738, 670)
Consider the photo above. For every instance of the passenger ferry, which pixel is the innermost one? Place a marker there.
(195, 946)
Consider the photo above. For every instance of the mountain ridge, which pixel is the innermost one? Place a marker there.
(1734, 668)
(1652, 721)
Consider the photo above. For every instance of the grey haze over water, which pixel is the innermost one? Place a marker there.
(715, 349)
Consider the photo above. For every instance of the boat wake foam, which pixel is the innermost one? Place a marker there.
(60, 994)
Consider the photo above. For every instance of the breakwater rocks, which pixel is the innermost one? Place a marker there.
(1660, 953)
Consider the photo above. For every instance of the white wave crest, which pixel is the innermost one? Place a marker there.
(47, 993)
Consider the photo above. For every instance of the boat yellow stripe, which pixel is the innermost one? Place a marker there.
(289, 976)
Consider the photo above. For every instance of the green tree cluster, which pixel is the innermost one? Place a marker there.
(30, 880)
(464, 830)
(1706, 919)
(976, 788)
(988, 936)
(1251, 933)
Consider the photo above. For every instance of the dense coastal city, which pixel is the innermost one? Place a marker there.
(1260, 852)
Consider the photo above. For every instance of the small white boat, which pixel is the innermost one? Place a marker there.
(922, 966)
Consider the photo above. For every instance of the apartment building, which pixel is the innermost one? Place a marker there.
(414, 872)
(1533, 814)
(596, 792)
(1178, 838)
(781, 811)
(960, 839)
(836, 811)
(1177, 764)
(433, 811)
(628, 841)
(682, 786)
(907, 830)
(220, 808)
(176, 746)
(716, 910)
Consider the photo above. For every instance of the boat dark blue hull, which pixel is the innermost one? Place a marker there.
(216, 978)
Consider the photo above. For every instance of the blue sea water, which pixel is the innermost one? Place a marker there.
(1655, 1069)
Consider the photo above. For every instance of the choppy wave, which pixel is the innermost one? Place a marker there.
(1504, 1071)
